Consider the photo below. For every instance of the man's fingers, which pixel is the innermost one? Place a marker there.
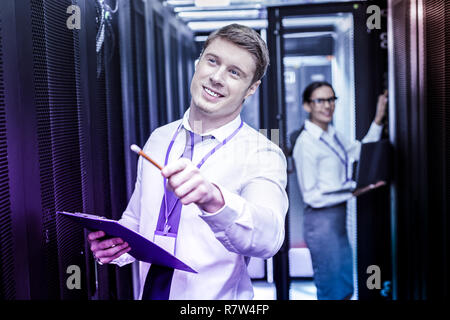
(175, 167)
(115, 256)
(110, 252)
(188, 186)
(105, 244)
(102, 245)
(180, 178)
(95, 235)
(195, 196)
(121, 252)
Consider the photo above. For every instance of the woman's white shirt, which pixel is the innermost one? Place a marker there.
(321, 174)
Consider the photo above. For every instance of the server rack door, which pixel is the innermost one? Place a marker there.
(365, 84)
(419, 84)
(8, 281)
(45, 118)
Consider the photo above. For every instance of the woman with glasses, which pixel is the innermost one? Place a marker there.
(323, 160)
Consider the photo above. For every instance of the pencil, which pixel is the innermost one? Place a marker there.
(139, 151)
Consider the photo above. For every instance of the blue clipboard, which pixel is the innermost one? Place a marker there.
(141, 248)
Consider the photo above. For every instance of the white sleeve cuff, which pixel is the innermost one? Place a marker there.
(123, 260)
(220, 220)
(377, 127)
(374, 133)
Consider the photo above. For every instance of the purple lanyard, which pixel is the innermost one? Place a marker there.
(209, 154)
(344, 161)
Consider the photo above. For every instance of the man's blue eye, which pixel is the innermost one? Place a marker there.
(234, 72)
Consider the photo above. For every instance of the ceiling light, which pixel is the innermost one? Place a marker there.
(212, 3)
(231, 14)
(209, 26)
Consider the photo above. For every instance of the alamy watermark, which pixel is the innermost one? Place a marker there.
(373, 21)
(374, 281)
(74, 279)
(74, 20)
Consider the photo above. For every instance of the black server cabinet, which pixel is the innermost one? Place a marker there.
(419, 78)
(43, 139)
(61, 148)
(7, 246)
(72, 100)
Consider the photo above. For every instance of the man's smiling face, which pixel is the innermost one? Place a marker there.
(222, 80)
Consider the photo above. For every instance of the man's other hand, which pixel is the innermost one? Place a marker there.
(107, 250)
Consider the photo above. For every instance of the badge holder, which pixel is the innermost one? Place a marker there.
(167, 241)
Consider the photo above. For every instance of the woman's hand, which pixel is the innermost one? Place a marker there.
(370, 187)
(381, 107)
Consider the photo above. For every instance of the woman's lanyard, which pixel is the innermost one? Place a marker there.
(206, 157)
(343, 160)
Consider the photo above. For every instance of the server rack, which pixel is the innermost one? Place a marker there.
(71, 101)
(370, 77)
(419, 83)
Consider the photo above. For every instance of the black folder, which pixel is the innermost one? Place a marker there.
(373, 165)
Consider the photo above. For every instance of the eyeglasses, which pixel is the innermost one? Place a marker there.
(321, 101)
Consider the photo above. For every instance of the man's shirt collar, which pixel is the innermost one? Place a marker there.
(220, 133)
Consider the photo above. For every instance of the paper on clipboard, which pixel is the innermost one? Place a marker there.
(141, 248)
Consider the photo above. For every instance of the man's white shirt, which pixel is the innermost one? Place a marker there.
(250, 171)
(321, 175)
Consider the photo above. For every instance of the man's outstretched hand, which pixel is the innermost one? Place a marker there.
(188, 184)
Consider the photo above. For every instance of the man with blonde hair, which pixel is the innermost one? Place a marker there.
(220, 198)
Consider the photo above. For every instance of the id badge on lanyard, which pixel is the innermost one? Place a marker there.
(167, 241)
